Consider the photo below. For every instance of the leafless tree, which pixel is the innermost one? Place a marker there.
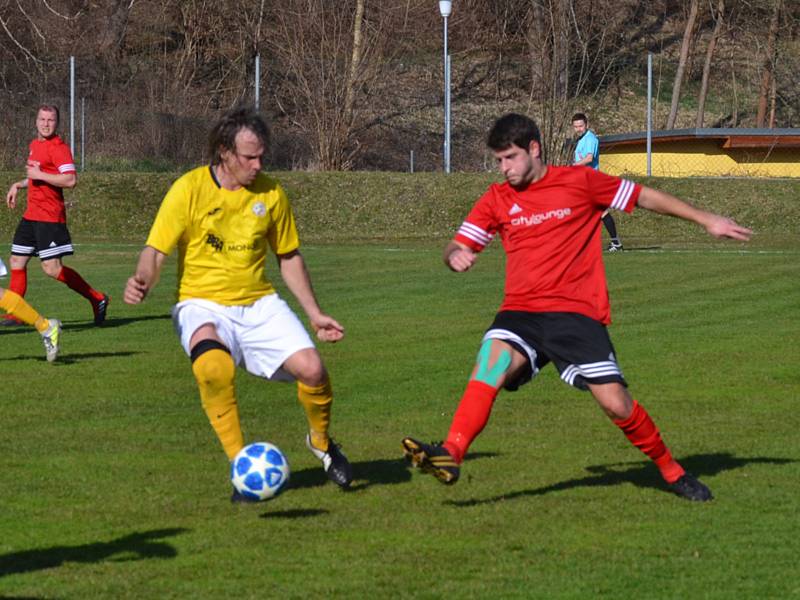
(768, 68)
(682, 61)
(718, 16)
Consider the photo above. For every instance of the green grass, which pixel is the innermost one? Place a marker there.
(113, 485)
(359, 207)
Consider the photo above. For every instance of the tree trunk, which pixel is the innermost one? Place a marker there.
(684, 57)
(769, 61)
(113, 34)
(712, 44)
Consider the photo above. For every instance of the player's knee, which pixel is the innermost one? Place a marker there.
(313, 375)
(306, 367)
(212, 365)
(492, 364)
(18, 262)
(51, 269)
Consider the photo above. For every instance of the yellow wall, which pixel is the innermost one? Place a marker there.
(700, 158)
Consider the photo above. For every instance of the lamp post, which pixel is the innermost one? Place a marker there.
(445, 8)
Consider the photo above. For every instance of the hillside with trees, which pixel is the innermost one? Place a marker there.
(358, 84)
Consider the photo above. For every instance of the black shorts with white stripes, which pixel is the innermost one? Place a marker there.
(578, 346)
(41, 238)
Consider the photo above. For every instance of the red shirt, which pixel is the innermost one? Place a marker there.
(551, 235)
(45, 201)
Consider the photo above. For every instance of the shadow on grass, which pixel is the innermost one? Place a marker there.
(384, 471)
(110, 323)
(641, 474)
(136, 546)
(296, 513)
(113, 322)
(69, 359)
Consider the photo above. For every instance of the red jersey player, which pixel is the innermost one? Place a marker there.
(43, 229)
(555, 307)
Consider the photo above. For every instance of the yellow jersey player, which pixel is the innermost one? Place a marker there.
(223, 218)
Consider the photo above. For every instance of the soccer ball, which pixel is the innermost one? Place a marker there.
(260, 471)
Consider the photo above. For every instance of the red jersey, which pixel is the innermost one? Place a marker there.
(551, 235)
(45, 201)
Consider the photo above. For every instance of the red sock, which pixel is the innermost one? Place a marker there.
(78, 284)
(471, 416)
(19, 281)
(643, 433)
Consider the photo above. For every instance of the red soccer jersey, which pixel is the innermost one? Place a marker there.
(45, 201)
(551, 235)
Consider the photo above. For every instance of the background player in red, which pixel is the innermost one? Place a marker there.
(555, 308)
(43, 229)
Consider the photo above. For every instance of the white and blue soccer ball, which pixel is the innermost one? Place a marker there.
(260, 471)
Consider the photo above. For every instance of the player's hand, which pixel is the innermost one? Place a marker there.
(724, 227)
(135, 290)
(461, 259)
(327, 329)
(11, 196)
(32, 169)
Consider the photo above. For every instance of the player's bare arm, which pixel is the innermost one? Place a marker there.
(295, 275)
(11, 196)
(146, 276)
(62, 180)
(458, 257)
(586, 160)
(716, 225)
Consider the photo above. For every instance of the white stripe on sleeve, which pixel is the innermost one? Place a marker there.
(623, 195)
(475, 233)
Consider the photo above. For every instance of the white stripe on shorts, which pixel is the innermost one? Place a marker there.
(55, 251)
(591, 371)
(510, 336)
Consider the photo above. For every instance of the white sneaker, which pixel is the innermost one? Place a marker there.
(3, 269)
(52, 339)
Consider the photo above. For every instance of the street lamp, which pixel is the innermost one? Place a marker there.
(445, 8)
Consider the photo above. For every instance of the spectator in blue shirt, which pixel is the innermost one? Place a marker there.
(587, 153)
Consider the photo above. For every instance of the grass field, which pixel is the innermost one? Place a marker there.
(113, 485)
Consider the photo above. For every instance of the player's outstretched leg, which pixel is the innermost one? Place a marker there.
(643, 433)
(51, 338)
(433, 459)
(50, 329)
(72, 279)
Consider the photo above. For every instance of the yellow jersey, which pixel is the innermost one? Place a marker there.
(222, 235)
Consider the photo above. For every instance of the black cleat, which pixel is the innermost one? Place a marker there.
(691, 488)
(100, 308)
(433, 459)
(335, 463)
(615, 246)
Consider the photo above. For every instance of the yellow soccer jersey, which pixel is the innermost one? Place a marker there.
(222, 235)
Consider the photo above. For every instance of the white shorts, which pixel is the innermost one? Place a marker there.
(260, 336)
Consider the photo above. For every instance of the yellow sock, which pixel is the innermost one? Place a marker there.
(214, 371)
(317, 401)
(15, 305)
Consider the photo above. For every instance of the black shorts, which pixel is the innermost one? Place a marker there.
(578, 346)
(42, 239)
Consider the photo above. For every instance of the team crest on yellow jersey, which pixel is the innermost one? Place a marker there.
(259, 209)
